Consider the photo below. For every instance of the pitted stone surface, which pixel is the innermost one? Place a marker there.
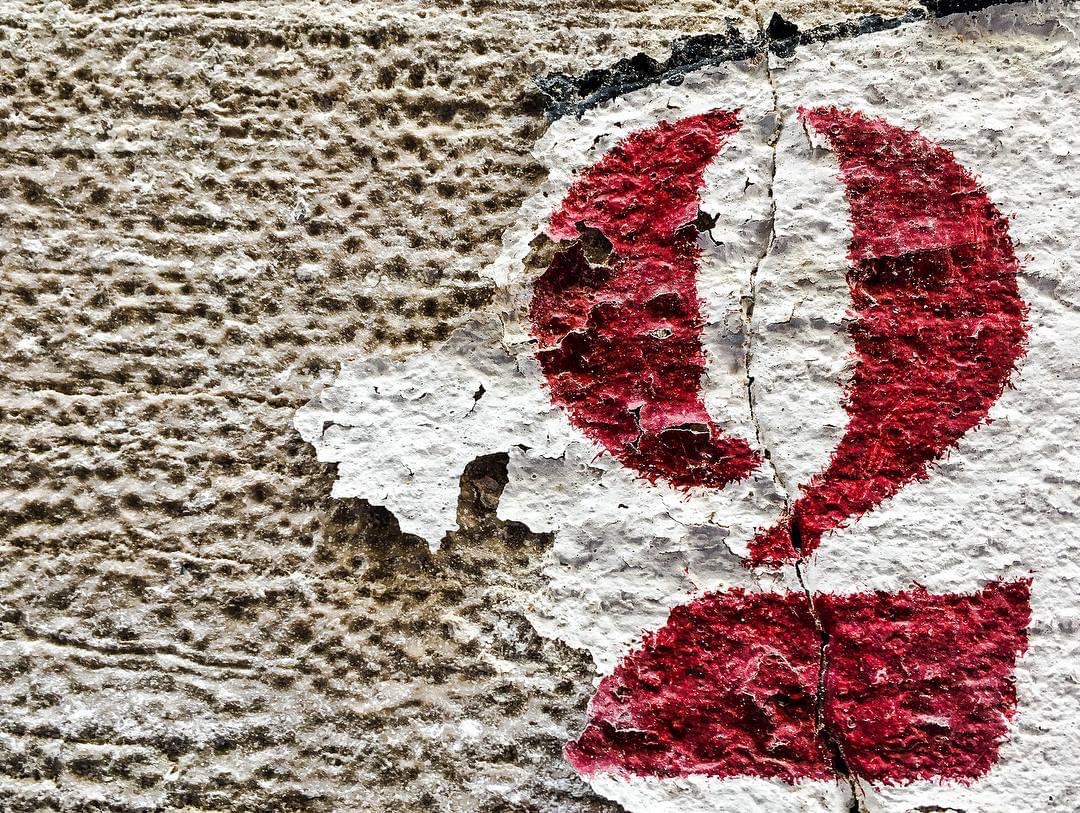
(204, 210)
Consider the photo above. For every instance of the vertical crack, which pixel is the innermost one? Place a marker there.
(836, 750)
(749, 301)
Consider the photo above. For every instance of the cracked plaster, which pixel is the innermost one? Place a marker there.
(772, 277)
(209, 206)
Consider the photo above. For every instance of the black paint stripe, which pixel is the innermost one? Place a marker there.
(573, 95)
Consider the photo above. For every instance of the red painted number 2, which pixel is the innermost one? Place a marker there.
(912, 685)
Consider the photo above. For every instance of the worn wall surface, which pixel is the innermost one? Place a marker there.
(232, 578)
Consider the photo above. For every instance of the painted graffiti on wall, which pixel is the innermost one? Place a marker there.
(939, 327)
(778, 354)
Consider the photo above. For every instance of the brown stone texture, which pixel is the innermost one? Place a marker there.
(204, 208)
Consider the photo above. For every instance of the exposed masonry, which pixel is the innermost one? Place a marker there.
(573, 95)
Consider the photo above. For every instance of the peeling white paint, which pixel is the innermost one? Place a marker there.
(996, 88)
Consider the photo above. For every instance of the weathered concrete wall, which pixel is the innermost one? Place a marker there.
(208, 209)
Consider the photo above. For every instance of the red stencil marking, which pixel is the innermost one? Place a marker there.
(726, 688)
(890, 687)
(920, 686)
(916, 686)
(620, 342)
(939, 322)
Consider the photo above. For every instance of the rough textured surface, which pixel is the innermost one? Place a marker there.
(206, 208)
(791, 271)
(366, 674)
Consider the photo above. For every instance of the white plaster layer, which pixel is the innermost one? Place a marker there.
(996, 88)
(402, 433)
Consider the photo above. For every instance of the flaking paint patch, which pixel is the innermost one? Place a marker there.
(624, 553)
(619, 341)
(556, 472)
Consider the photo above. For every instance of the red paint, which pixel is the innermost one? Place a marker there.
(917, 686)
(726, 688)
(938, 328)
(920, 686)
(620, 343)
(914, 686)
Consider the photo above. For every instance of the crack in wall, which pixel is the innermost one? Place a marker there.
(836, 750)
(749, 301)
(840, 763)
